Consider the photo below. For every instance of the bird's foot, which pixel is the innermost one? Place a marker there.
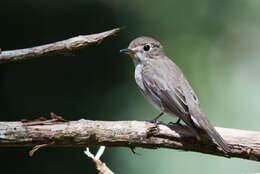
(153, 129)
(155, 122)
(177, 123)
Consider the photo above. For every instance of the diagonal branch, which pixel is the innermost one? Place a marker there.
(60, 47)
(101, 166)
(56, 132)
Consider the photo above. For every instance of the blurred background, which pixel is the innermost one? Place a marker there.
(215, 43)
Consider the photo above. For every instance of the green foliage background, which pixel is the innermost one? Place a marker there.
(216, 44)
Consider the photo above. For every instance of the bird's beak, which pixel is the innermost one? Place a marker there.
(127, 51)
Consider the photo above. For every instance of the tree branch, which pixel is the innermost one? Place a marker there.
(58, 132)
(101, 166)
(60, 47)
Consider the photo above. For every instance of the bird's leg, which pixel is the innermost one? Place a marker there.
(176, 123)
(155, 119)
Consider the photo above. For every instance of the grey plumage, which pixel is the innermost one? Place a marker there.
(165, 86)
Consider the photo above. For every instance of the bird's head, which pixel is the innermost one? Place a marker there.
(143, 49)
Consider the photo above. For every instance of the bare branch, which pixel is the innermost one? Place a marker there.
(101, 167)
(61, 47)
(243, 144)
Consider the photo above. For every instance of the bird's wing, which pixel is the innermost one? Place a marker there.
(177, 97)
(167, 96)
(164, 88)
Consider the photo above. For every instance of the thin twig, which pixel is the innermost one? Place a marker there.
(101, 167)
(100, 152)
(36, 148)
(61, 48)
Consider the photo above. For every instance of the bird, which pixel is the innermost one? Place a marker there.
(164, 85)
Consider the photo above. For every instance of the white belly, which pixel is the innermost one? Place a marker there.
(138, 76)
(154, 100)
(139, 81)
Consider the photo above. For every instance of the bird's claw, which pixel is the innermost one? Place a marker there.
(151, 121)
(175, 124)
(155, 122)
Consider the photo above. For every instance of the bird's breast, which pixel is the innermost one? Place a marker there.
(138, 76)
(139, 80)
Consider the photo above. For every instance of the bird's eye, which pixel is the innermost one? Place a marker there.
(146, 47)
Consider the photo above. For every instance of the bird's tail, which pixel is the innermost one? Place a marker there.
(211, 131)
(207, 127)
